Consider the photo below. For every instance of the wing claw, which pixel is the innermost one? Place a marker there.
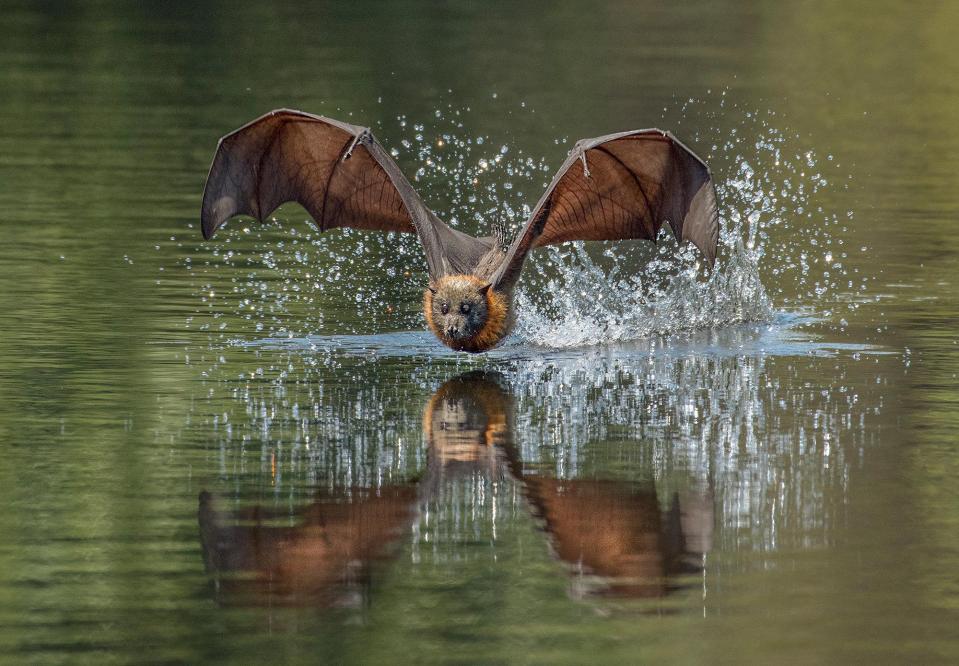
(364, 137)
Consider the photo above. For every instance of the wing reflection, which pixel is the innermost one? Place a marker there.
(325, 560)
(615, 539)
(613, 536)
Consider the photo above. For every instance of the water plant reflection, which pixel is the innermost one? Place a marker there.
(611, 535)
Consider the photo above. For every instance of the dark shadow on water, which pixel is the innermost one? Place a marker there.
(612, 537)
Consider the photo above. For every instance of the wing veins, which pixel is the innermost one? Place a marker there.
(639, 184)
(258, 173)
(329, 180)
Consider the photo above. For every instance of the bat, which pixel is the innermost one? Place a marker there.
(614, 187)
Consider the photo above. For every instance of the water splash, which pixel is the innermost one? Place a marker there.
(630, 291)
(586, 305)
(288, 280)
(304, 406)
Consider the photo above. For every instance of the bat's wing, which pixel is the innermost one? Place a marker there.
(338, 172)
(622, 186)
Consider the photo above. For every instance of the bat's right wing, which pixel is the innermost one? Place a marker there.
(622, 186)
(338, 172)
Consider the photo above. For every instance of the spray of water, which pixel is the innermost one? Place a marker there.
(285, 280)
(767, 190)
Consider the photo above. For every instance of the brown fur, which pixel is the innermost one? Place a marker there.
(496, 327)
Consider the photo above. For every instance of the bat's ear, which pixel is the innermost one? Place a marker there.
(485, 288)
(432, 287)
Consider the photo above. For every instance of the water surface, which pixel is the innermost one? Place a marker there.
(250, 450)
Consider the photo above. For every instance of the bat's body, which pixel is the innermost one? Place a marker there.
(619, 186)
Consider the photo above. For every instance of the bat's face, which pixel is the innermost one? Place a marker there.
(459, 308)
(466, 313)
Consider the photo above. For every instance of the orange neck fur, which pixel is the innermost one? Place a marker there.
(493, 331)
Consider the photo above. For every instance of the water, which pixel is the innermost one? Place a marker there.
(250, 449)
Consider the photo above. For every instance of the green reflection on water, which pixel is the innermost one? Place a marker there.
(831, 473)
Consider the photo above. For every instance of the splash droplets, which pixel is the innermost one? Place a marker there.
(284, 280)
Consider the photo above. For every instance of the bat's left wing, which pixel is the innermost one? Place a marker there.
(621, 186)
(339, 172)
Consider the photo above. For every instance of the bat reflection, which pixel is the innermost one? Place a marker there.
(325, 560)
(612, 537)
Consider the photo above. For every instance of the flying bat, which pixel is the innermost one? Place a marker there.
(613, 187)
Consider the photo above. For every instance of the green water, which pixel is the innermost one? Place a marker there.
(785, 489)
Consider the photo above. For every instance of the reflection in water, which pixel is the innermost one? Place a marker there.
(467, 424)
(716, 409)
(325, 560)
(833, 471)
(612, 535)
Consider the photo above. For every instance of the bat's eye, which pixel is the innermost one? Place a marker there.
(445, 307)
(465, 308)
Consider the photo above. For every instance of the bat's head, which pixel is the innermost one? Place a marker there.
(459, 309)
(465, 313)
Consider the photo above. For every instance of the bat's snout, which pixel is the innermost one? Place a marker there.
(452, 332)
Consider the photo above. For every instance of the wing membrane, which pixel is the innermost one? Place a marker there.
(338, 172)
(622, 186)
